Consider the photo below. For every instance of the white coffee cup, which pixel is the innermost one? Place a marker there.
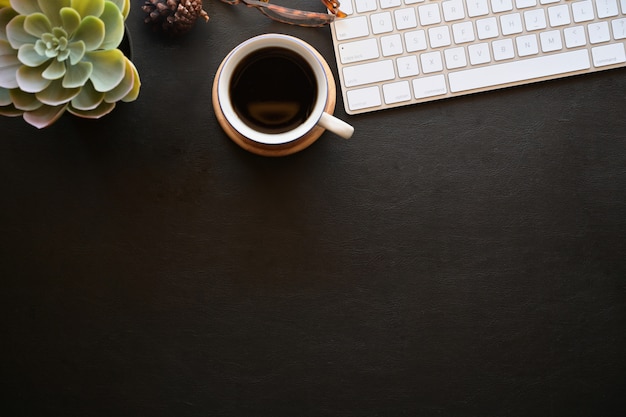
(297, 137)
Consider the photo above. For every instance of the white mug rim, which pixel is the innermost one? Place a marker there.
(259, 42)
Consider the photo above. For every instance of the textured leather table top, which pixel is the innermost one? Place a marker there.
(459, 258)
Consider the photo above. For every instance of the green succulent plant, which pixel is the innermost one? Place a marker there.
(58, 55)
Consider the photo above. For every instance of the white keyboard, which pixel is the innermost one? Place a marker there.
(392, 53)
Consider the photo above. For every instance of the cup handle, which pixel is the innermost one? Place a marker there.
(338, 127)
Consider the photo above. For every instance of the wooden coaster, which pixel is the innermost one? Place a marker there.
(282, 149)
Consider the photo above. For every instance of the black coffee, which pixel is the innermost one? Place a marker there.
(273, 90)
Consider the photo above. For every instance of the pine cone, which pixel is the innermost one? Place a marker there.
(175, 17)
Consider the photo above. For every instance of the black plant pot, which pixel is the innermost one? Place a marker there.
(126, 44)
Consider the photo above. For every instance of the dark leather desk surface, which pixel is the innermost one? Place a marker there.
(458, 258)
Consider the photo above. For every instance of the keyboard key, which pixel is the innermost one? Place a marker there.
(477, 8)
(606, 8)
(391, 45)
(381, 23)
(356, 51)
(527, 45)
(453, 10)
(368, 73)
(415, 41)
(407, 66)
(619, 28)
(351, 27)
(608, 54)
(405, 18)
(479, 53)
(574, 36)
(520, 4)
(431, 62)
(346, 7)
(455, 58)
(434, 85)
(517, 71)
(551, 41)
(503, 49)
(463, 32)
(429, 14)
(487, 28)
(439, 36)
(499, 6)
(363, 6)
(511, 24)
(387, 4)
(598, 32)
(364, 98)
(397, 92)
(559, 15)
(535, 19)
(582, 11)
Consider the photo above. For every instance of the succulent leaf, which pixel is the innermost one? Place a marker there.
(55, 94)
(16, 35)
(70, 19)
(5, 48)
(63, 55)
(52, 8)
(77, 51)
(91, 31)
(30, 79)
(10, 111)
(114, 24)
(103, 109)
(24, 101)
(40, 47)
(26, 7)
(9, 64)
(88, 7)
(59, 33)
(123, 6)
(88, 99)
(134, 92)
(6, 14)
(55, 70)
(108, 68)
(44, 115)
(125, 87)
(30, 55)
(5, 97)
(37, 24)
(77, 75)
